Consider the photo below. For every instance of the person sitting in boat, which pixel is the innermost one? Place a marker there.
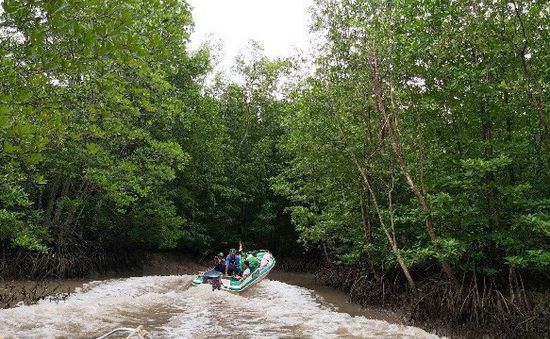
(254, 263)
(232, 262)
(219, 263)
(242, 256)
(246, 271)
(216, 259)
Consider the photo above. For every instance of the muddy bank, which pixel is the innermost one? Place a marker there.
(27, 291)
(66, 262)
(480, 309)
(170, 264)
(345, 288)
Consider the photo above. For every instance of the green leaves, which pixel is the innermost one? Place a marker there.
(538, 260)
(106, 134)
(11, 6)
(30, 237)
(538, 222)
(92, 148)
(480, 167)
(451, 249)
(453, 95)
(86, 120)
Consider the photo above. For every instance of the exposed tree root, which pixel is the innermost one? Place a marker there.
(481, 307)
(65, 262)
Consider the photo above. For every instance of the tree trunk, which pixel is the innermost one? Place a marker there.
(51, 199)
(59, 208)
(325, 252)
(390, 125)
(367, 227)
(536, 100)
(425, 207)
(384, 227)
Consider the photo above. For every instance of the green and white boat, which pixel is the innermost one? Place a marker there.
(215, 280)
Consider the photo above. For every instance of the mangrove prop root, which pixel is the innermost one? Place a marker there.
(481, 304)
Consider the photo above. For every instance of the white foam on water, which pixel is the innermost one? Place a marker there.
(94, 309)
(169, 308)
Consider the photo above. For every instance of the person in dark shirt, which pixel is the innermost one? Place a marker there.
(219, 263)
(232, 262)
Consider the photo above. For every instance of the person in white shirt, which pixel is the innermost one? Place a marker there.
(246, 271)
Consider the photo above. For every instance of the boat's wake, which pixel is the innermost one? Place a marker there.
(167, 307)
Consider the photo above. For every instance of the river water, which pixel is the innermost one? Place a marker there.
(169, 307)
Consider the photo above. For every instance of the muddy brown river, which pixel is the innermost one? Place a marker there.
(282, 306)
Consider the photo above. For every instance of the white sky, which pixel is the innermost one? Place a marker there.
(279, 25)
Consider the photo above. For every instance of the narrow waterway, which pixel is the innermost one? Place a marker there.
(169, 307)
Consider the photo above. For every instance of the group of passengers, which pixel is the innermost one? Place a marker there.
(233, 265)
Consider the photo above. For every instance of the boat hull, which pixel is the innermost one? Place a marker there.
(267, 263)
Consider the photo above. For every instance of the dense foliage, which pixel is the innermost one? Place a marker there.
(422, 139)
(88, 116)
(107, 140)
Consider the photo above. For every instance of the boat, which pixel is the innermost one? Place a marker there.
(218, 281)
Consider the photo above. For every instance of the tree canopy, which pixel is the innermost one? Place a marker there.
(421, 139)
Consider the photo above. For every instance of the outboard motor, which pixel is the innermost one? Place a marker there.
(213, 278)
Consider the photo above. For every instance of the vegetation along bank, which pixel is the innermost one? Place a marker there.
(414, 158)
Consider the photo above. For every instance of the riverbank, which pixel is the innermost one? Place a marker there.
(169, 307)
(478, 310)
(28, 291)
(338, 286)
(333, 296)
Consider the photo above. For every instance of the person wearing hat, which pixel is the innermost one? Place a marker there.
(219, 263)
(232, 262)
